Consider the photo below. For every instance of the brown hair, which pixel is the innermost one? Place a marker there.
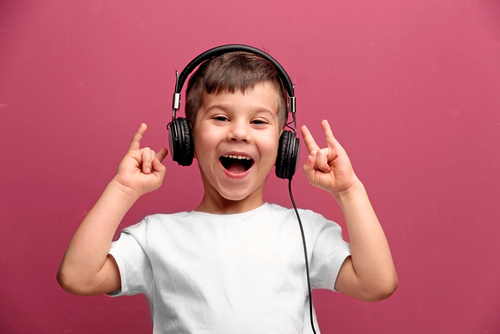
(231, 72)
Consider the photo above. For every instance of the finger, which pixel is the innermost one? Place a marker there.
(136, 140)
(158, 167)
(322, 160)
(308, 167)
(331, 141)
(161, 154)
(330, 138)
(147, 156)
(309, 139)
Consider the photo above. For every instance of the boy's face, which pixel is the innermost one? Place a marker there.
(236, 139)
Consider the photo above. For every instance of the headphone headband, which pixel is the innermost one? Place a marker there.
(219, 50)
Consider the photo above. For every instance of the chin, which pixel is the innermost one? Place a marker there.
(241, 192)
(235, 196)
(233, 190)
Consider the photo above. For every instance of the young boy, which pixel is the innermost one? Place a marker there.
(235, 264)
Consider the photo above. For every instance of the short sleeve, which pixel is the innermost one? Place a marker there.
(329, 252)
(136, 272)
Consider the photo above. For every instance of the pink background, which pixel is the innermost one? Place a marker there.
(411, 89)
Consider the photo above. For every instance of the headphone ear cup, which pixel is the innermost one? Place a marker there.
(181, 142)
(288, 155)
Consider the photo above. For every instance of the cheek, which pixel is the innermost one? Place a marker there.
(205, 147)
(202, 139)
(271, 149)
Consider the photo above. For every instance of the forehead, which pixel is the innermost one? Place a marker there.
(262, 96)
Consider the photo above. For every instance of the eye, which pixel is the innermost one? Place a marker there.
(259, 121)
(220, 118)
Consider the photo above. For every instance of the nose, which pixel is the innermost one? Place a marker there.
(239, 131)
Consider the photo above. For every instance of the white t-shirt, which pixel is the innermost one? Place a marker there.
(237, 273)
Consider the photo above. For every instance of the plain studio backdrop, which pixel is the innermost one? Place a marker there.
(411, 89)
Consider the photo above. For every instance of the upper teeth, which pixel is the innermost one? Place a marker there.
(237, 157)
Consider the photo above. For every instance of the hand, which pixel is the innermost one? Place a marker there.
(141, 170)
(328, 168)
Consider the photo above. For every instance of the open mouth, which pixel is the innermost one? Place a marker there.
(236, 164)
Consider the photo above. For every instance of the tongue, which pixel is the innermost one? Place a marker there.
(236, 167)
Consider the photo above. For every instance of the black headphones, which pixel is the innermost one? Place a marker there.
(180, 137)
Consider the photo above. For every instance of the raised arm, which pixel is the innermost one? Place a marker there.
(369, 273)
(86, 268)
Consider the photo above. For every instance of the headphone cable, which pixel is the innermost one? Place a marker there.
(305, 256)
